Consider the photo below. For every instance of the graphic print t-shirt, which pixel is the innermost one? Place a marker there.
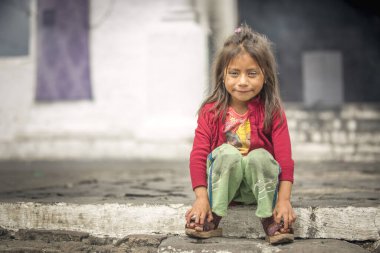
(238, 130)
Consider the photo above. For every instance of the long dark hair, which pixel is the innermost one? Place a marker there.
(259, 47)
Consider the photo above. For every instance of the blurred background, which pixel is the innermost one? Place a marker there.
(123, 79)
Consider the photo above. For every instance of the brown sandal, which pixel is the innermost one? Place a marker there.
(210, 229)
(274, 233)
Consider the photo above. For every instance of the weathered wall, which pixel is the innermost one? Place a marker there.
(146, 58)
(347, 133)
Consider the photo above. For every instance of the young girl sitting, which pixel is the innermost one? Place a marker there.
(241, 150)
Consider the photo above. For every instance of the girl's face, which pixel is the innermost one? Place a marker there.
(243, 79)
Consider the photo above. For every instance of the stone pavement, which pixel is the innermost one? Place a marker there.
(70, 241)
(114, 199)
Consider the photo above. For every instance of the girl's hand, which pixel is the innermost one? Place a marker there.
(201, 208)
(284, 211)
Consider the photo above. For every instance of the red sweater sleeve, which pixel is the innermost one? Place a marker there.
(200, 151)
(282, 147)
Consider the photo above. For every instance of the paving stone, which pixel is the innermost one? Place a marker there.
(185, 244)
(133, 241)
(162, 243)
(51, 235)
(376, 247)
(321, 246)
(92, 240)
(219, 244)
(4, 234)
(42, 246)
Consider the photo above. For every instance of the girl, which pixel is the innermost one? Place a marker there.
(241, 150)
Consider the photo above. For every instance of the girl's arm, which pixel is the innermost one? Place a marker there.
(201, 149)
(283, 209)
(282, 147)
(198, 159)
(283, 155)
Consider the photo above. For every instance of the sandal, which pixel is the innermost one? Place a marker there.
(274, 233)
(209, 229)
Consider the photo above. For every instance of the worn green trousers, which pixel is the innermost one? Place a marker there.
(250, 179)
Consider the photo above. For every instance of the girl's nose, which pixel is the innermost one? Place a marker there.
(243, 80)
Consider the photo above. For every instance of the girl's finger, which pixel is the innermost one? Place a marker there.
(277, 217)
(202, 218)
(293, 218)
(196, 218)
(187, 212)
(286, 220)
(188, 217)
(210, 217)
(191, 216)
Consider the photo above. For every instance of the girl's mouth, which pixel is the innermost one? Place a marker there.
(243, 91)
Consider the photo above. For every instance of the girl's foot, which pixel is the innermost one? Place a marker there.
(276, 233)
(207, 230)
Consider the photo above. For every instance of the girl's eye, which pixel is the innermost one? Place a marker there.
(252, 74)
(233, 73)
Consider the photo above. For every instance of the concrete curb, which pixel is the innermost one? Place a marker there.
(118, 220)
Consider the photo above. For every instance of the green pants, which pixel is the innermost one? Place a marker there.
(250, 179)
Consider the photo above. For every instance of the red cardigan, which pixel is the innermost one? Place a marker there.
(209, 135)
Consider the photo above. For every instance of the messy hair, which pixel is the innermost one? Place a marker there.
(259, 47)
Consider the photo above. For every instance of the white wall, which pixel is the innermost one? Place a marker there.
(148, 68)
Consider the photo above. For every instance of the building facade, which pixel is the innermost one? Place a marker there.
(114, 79)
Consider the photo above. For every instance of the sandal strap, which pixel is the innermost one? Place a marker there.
(271, 227)
(207, 226)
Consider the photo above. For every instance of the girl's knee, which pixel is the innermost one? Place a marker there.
(227, 152)
(227, 157)
(263, 162)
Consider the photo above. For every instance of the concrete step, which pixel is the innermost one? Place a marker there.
(118, 220)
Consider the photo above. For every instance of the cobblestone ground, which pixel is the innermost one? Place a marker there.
(70, 241)
(316, 183)
(34, 241)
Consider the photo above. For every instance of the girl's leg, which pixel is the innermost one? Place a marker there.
(225, 175)
(261, 172)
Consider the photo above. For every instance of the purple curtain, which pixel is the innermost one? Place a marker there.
(62, 50)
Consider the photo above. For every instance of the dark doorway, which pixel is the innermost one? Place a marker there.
(63, 71)
(349, 28)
